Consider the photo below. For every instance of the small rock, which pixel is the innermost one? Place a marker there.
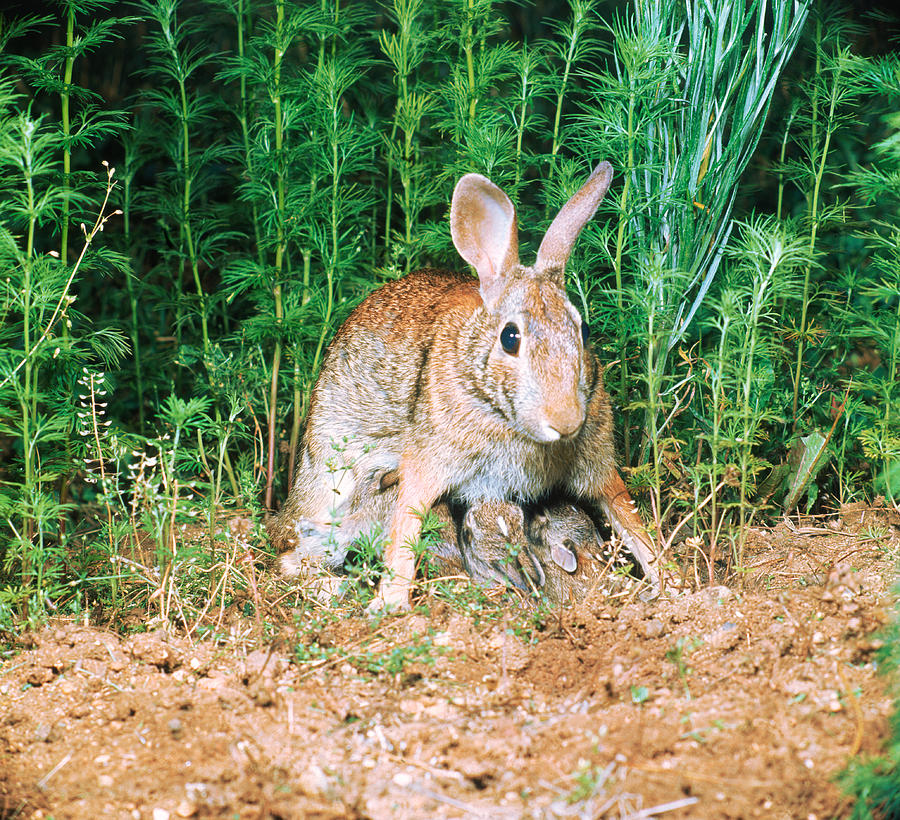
(176, 728)
(315, 783)
(512, 653)
(402, 779)
(118, 662)
(653, 628)
(44, 733)
(263, 662)
(441, 711)
(160, 814)
(725, 637)
(105, 781)
(151, 648)
(214, 682)
(716, 595)
(39, 676)
(186, 809)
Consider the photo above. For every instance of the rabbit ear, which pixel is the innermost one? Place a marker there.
(483, 227)
(562, 233)
(504, 527)
(564, 557)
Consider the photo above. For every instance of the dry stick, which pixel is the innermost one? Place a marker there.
(675, 804)
(98, 677)
(432, 770)
(212, 598)
(691, 514)
(42, 783)
(248, 560)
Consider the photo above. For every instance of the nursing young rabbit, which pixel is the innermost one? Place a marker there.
(477, 388)
(563, 538)
(488, 544)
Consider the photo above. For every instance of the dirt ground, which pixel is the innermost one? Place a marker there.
(709, 705)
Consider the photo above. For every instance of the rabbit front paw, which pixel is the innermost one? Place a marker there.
(391, 597)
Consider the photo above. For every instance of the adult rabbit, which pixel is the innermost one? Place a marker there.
(478, 389)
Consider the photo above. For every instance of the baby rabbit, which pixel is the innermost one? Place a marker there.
(490, 546)
(479, 389)
(565, 541)
(558, 554)
(487, 542)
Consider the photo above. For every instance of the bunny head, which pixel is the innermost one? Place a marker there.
(564, 535)
(537, 364)
(493, 521)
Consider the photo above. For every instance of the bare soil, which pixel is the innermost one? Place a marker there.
(714, 704)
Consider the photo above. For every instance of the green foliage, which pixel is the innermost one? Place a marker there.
(277, 160)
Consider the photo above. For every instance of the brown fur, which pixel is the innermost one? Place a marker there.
(489, 545)
(416, 380)
(565, 530)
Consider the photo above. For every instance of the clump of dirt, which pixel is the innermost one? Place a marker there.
(713, 704)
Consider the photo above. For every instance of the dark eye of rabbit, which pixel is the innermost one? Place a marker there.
(585, 332)
(510, 337)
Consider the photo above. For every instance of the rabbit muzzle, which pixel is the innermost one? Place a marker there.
(564, 422)
(553, 407)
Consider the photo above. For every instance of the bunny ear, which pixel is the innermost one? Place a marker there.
(562, 233)
(504, 527)
(483, 227)
(564, 557)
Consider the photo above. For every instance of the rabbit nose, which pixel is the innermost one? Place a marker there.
(566, 422)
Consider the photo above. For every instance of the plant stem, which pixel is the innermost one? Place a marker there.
(617, 267)
(468, 40)
(245, 130)
(279, 251)
(133, 301)
(814, 226)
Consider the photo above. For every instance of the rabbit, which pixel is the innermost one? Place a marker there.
(564, 539)
(478, 388)
(494, 547)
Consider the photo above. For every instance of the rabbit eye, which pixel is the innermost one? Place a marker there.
(585, 332)
(510, 337)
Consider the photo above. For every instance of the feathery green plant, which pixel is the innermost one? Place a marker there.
(763, 265)
(824, 106)
(36, 359)
(407, 49)
(872, 307)
(682, 111)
